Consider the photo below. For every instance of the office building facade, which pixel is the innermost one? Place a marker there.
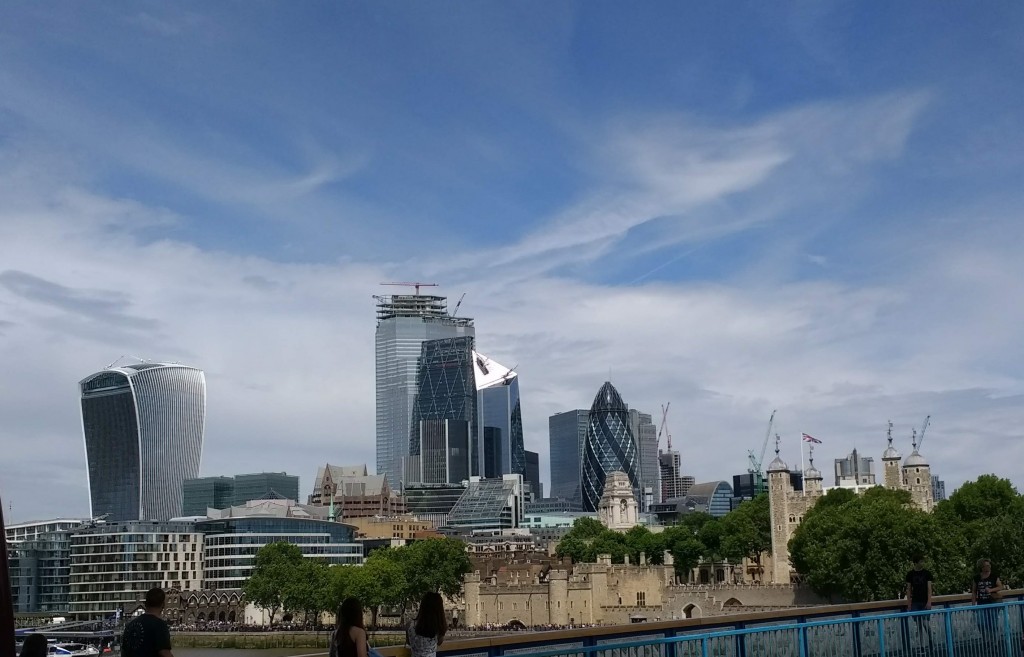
(670, 465)
(222, 492)
(488, 504)
(202, 493)
(113, 565)
(40, 572)
(567, 436)
(646, 435)
(855, 470)
(534, 488)
(143, 425)
(232, 537)
(432, 502)
(938, 489)
(500, 421)
(27, 531)
(610, 446)
(446, 401)
(404, 323)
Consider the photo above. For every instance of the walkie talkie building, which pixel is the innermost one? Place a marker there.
(610, 446)
(143, 426)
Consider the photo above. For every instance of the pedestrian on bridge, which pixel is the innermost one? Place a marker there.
(426, 632)
(148, 635)
(919, 598)
(35, 646)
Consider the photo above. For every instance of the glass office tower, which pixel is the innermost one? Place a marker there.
(501, 418)
(445, 408)
(567, 436)
(143, 426)
(610, 446)
(404, 323)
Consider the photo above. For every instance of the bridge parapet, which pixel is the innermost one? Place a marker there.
(880, 629)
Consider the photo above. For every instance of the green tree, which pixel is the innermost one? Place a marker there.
(746, 531)
(640, 540)
(274, 567)
(861, 550)
(380, 582)
(308, 590)
(685, 548)
(434, 564)
(986, 497)
(340, 585)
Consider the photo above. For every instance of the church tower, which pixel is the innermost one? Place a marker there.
(779, 491)
(891, 464)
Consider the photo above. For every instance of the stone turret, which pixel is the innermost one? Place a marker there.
(471, 594)
(812, 479)
(558, 597)
(917, 478)
(617, 509)
(779, 490)
(891, 463)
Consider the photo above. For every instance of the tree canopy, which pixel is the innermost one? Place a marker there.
(860, 548)
(283, 580)
(697, 537)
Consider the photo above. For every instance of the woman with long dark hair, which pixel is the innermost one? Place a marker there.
(35, 646)
(426, 632)
(349, 636)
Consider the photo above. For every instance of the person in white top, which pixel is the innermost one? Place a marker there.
(426, 631)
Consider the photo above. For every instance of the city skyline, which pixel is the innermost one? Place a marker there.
(783, 210)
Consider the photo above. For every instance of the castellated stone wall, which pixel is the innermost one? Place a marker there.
(603, 594)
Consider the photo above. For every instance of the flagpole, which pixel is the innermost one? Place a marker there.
(803, 487)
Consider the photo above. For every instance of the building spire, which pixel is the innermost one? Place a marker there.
(889, 433)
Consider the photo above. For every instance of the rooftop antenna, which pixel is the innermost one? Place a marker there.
(889, 433)
(416, 285)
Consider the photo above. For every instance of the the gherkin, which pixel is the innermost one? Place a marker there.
(610, 446)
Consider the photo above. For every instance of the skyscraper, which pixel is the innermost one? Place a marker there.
(567, 435)
(671, 484)
(143, 426)
(610, 446)
(404, 322)
(532, 479)
(500, 418)
(646, 435)
(444, 416)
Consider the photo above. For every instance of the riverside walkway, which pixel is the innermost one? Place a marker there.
(953, 628)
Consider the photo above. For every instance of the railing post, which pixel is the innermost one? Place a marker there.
(704, 646)
(802, 639)
(856, 634)
(948, 613)
(881, 638)
(670, 645)
(1006, 628)
(741, 641)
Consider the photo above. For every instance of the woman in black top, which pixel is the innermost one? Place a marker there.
(349, 636)
(35, 646)
(987, 584)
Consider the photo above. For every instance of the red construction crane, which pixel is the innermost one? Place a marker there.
(415, 285)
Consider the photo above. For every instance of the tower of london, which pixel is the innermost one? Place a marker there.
(788, 506)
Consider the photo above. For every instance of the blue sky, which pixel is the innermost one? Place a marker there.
(732, 206)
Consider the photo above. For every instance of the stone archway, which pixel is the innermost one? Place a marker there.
(732, 602)
(222, 617)
(231, 617)
(201, 618)
(692, 611)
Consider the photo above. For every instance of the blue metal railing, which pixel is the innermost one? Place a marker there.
(955, 631)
